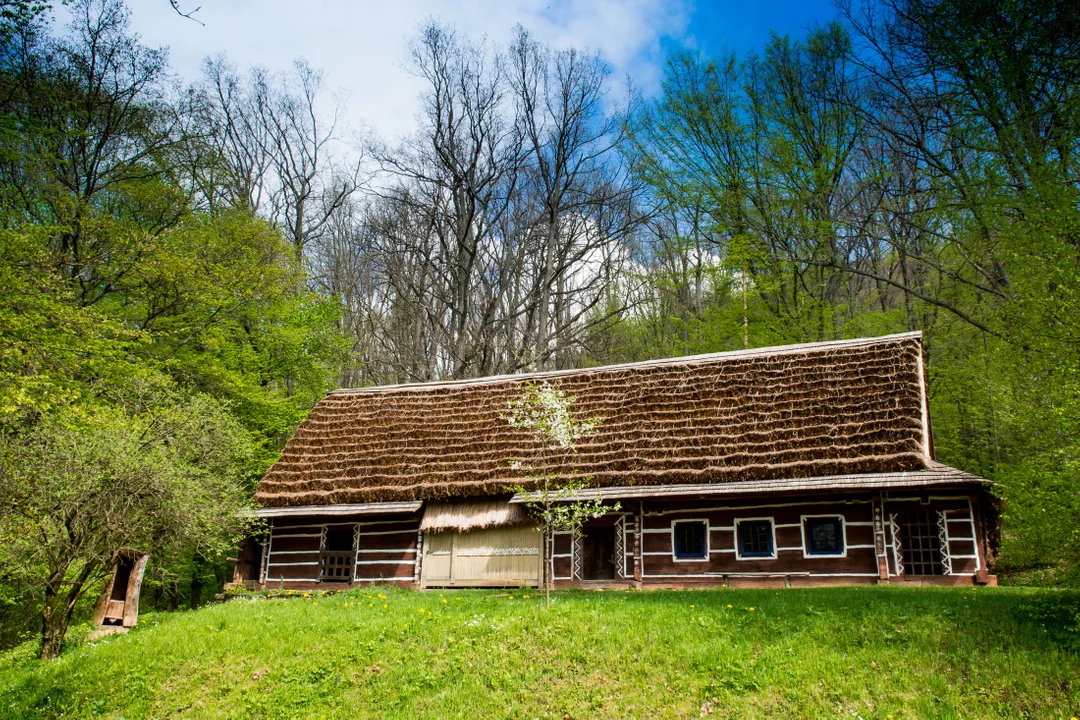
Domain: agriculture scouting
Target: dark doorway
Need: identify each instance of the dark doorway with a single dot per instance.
(122, 578)
(598, 553)
(920, 543)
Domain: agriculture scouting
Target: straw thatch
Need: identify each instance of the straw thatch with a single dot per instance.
(465, 515)
(801, 411)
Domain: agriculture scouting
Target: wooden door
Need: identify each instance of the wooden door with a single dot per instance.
(495, 557)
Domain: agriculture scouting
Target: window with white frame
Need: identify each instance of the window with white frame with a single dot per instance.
(690, 539)
(823, 535)
(755, 539)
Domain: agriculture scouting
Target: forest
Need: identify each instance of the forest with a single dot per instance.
(187, 265)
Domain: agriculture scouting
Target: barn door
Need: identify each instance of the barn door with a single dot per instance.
(494, 557)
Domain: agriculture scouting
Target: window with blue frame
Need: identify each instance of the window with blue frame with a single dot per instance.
(755, 538)
(690, 539)
(824, 536)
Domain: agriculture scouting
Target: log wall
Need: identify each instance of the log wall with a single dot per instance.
(873, 551)
(385, 548)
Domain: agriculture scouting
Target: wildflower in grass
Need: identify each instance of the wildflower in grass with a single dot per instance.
(444, 601)
(525, 597)
(511, 597)
(750, 609)
(729, 607)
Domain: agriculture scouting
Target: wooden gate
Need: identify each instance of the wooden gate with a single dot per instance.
(495, 557)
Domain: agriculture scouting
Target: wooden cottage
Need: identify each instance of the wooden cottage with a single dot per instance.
(799, 465)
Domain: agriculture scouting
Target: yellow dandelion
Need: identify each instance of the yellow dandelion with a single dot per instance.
(444, 601)
(691, 607)
(385, 605)
(458, 599)
(525, 596)
(750, 609)
(406, 626)
(729, 607)
(306, 595)
(511, 597)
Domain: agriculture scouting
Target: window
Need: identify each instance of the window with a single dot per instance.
(691, 539)
(823, 535)
(338, 555)
(920, 544)
(754, 538)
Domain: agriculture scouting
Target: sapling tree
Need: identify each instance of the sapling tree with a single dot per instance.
(551, 497)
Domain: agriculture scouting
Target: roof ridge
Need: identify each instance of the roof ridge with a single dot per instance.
(767, 351)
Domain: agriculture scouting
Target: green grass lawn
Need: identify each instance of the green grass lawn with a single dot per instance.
(874, 652)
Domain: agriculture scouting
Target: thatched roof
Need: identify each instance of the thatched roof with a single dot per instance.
(800, 411)
(465, 515)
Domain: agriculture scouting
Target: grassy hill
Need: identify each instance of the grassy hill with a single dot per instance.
(875, 652)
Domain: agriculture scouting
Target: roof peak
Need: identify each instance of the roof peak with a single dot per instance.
(680, 360)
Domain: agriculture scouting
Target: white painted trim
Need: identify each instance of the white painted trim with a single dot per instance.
(859, 524)
(965, 557)
(765, 574)
(410, 531)
(703, 558)
(342, 509)
(728, 528)
(393, 578)
(974, 535)
(843, 536)
(318, 535)
(391, 550)
(758, 507)
(853, 547)
(738, 550)
(386, 562)
(892, 535)
(274, 564)
(788, 525)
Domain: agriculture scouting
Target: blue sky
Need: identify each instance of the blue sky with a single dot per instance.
(744, 26)
(360, 44)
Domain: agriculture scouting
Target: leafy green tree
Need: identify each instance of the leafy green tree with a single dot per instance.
(80, 489)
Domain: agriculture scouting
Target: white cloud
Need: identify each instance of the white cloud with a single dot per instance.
(361, 46)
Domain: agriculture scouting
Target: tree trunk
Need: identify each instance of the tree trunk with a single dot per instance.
(547, 567)
(54, 624)
(57, 609)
